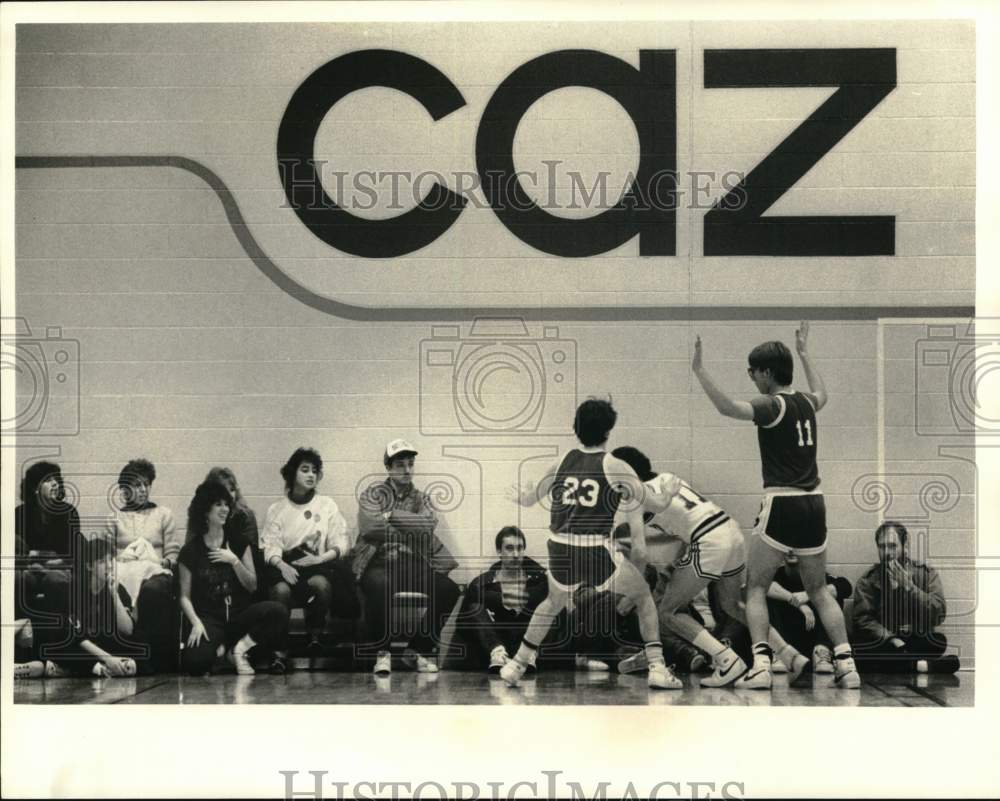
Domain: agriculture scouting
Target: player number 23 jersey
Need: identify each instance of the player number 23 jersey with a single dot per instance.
(583, 500)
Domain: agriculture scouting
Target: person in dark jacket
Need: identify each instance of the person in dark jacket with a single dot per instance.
(898, 606)
(47, 542)
(498, 603)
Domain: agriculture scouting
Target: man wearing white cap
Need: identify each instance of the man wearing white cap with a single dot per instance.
(398, 551)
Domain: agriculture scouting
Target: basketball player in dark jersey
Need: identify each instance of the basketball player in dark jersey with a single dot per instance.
(792, 518)
(586, 488)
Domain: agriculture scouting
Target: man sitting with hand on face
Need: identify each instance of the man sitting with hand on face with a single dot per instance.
(898, 605)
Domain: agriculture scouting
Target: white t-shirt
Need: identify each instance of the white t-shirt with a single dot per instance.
(317, 526)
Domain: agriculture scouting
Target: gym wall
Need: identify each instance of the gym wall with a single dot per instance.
(189, 349)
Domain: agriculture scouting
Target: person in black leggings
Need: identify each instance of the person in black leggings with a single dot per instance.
(217, 579)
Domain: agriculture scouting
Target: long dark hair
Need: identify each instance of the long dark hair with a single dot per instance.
(33, 478)
(205, 496)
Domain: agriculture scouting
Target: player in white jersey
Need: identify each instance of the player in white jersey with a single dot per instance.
(715, 553)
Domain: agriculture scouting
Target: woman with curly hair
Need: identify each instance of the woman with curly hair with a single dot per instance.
(217, 579)
(304, 540)
(129, 528)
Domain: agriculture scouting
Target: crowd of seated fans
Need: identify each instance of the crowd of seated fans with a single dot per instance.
(136, 597)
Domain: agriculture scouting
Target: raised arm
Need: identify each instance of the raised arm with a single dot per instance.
(530, 492)
(815, 381)
(738, 410)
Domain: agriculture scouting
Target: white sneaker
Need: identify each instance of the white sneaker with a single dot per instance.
(29, 670)
(241, 660)
(418, 662)
(661, 677)
(513, 672)
(498, 658)
(634, 664)
(238, 659)
(756, 678)
(593, 665)
(822, 659)
(53, 671)
(101, 670)
(724, 676)
(846, 674)
(383, 664)
(777, 666)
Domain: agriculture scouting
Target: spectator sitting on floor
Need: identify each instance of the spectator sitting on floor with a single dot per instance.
(218, 579)
(242, 520)
(96, 636)
(498, 603)
(47, 540)
(141, 519)
(305, 545)
(399, 551)
(898, 607)
(795, 618)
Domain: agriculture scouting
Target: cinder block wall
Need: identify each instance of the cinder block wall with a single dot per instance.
(190, 356)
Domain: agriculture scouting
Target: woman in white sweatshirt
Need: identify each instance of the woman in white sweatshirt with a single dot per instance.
(140, 518)
(304, 540)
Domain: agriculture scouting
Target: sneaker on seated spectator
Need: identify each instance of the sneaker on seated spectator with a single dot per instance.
(239, 660)
(418, 662)
(822, 659)
(583, 662)
(383, 664)
(53, 671)
(498, 658)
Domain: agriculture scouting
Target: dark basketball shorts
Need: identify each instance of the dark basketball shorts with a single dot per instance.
(572, 566)
(793, 523)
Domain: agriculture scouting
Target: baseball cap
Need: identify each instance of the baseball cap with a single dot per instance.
(398, 446)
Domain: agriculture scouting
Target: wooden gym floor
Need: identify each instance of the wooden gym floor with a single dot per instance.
(556, 687)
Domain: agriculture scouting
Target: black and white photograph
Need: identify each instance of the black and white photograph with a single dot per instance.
(371, 369)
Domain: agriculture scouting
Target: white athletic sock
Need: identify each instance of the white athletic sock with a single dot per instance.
(843, 648)
(245, 644)
(527, 653)
(707, 643)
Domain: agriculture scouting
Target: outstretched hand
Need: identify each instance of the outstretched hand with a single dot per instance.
(802, 337)
(696, 361)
